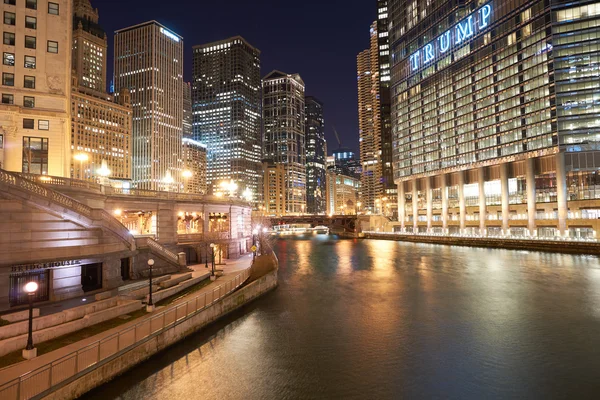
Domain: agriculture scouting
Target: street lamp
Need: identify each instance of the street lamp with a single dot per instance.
(150, 305)
(212, 252)
(104, 172)
(168, 180)
(81, 157)
(30, 352)
(254, 234)
(186, 174)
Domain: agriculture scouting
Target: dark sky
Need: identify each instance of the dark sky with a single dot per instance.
(319, 39)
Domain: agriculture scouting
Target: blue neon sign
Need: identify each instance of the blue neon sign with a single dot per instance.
(457, 35)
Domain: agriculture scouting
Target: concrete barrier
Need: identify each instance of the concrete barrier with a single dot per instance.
(79, 312)
(20, 315)
(21, 327)
(163, 294)
(175, 281)
(124, 307)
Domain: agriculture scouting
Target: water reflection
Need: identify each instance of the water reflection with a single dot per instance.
(382, 319)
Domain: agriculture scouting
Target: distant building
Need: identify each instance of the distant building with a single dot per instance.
(226, 107)
(284, 141)
(273, 186)
(149, 62)
(90, 47)
(35, 132)
(194, 159)
(187, 110)
(315, 156)
(346, 163)
(342, 193)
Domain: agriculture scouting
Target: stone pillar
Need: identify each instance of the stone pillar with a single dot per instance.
(530, 182)
(461, 201)
(561, 194)
(167, 223)
(482, 208)
(415, 205)
(504, 197)
(429, 194)
(111, 274)
(401, 206)
(444, 204)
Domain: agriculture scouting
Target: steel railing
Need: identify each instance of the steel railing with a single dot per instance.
(84, 360)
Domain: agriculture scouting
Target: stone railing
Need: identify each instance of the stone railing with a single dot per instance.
(60, 181)
(162, 251)
(113, 225)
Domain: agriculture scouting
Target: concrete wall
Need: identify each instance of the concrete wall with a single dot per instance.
(111, 367)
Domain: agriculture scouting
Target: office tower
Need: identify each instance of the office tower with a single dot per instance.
(342, 193)
(495, 120)
(36, 85)
(226, 107)
(100, 123)
(273, 187)
(149, 62)
(187, 110)
(194, 159)
(315, 156)
(369, 122)
(283, 121)
(89, 49)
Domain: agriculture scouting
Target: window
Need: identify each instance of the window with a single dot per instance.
(35, 155)
(30, 42)
(32, 4)
(7, 98)
(11, 2)
(53, 8)
(8, 79)
(28, 101)
(8, 59)
(30, 62)
(9, 38)
(29, 82)
(28, 123)
(52, 46)
(30, 22)
(9, 18)
(43, 125)
(1, 141)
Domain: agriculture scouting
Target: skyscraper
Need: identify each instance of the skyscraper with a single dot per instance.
(495, 117)
(149, 62)
(36, 84)
(187, 110)
(226, 108)
(283, 119)
(89, 47)
(315, 156)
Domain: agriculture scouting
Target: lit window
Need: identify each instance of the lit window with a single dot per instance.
(8, 59)
(52, 46)
(53, 8)
(30, 62)
(43, 125)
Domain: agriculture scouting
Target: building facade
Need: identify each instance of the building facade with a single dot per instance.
(342, 194)
(284, 130)
(36, 84)
(149, 63)
(495, 117)
(226, 108)
(90, 47)
(194, 159)
(273, 187)
(187, 110)
(316, 151)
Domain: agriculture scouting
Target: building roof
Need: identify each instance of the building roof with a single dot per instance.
(153, 22)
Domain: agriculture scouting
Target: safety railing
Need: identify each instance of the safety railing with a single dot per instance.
(477, 236)
(161, 250)
(86, 359)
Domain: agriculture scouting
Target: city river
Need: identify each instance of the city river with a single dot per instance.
(389, 320)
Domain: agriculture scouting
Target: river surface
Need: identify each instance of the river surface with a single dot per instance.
(388, 320)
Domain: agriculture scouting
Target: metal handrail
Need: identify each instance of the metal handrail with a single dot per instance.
(85, 359)
(162, 250)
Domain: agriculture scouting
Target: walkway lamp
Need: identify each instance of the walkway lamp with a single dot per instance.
(30, 351)
(150, 305)
(254, 234)
(81, 157)
(206, 255)
(212, 252)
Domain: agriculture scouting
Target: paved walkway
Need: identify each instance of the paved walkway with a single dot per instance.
(230, 271)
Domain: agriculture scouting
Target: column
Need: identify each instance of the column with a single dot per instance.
(415, 205)
(504, 197)
(482, 209)
(461, 201)
(444, 204)
(530, 182)
(561, 194)
(401, 206)
(429, 194)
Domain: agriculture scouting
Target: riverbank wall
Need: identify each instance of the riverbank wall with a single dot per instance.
(111, 367)
(554, 246)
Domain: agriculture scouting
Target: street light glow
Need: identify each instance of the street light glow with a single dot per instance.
(31, 287)
(81, 157)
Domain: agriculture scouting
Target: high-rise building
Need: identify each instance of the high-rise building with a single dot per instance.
(187, 110)
(89, 47)
(273, 187)
(369, 122)
(36, 85)
(342, 193)
(100, 124)
(495, 117)
(194, 174)
(346, 163)
(149, 62)
(315, 156)
(283, 121)
(226, 108)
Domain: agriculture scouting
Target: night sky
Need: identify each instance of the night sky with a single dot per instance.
(319, 39)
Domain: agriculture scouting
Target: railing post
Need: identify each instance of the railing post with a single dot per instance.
(99, 344)
(50, 377)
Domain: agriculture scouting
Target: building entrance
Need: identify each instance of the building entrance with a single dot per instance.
(91, 277)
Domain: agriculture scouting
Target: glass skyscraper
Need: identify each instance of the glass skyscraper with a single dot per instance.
(315, 156)
(495, 108)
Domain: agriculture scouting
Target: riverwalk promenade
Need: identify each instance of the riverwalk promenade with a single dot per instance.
(42, 375)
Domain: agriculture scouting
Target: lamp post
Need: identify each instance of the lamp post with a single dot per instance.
(30, 352)
(212, 253)
(104, 173)
(254, 234)
(150, 305)
(206, 255)
(81, 157)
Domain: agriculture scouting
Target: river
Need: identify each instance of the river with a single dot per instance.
(387, 320)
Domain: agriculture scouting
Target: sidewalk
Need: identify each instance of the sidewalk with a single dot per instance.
(230, 271)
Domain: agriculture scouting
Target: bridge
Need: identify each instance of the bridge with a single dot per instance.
(335, 223)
